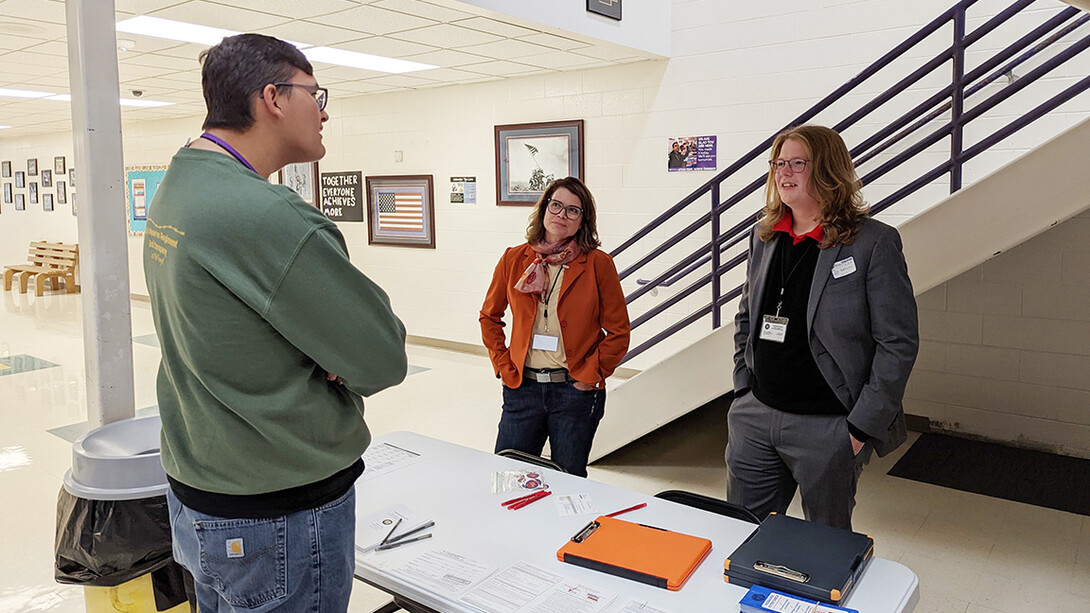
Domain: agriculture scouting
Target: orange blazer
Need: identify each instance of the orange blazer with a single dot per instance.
(591, 309)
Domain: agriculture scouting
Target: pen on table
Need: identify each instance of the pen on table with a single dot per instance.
(389, 534)
(423, 526)
(520, 498)
(519, 505)
(631, 508)
(394, 544)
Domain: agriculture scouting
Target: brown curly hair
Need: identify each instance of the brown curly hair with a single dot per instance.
(833, 182)
(587, 234)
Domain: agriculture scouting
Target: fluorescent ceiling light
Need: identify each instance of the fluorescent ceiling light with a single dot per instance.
(366, 61)
(22, 93)
(144, 103)
(173, 30)
(61, 97)
(4, 127)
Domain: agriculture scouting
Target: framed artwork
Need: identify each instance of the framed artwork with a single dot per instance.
(609, 8)
(401, 211)
(20, 179)
(7, 193)
(72, 178)
(58, 165)
(47, 178)
(5, 169)
(33, 192)
(20, 202)
(62, 193)
(32, 167)
(47, 202)
(302, 179)
(529, 156)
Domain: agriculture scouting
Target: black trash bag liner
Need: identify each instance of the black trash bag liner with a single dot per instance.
(105, 543)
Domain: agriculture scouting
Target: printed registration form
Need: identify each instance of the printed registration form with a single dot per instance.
(525, 588)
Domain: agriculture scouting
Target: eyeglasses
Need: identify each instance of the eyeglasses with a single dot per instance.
(796, 165)
(570, 212)
(321, 94)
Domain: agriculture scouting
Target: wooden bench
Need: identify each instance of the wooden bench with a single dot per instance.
(46, 262)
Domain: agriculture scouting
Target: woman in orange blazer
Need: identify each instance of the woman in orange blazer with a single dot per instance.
(569, 329)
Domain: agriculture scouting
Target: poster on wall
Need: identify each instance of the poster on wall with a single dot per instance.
(342, 195)
(691, 153)
(529, 156)
(301, 178)
(141, 182)
(401, 211)
(463, 190)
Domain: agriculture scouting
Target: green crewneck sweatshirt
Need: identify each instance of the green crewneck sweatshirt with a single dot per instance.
(254, 300)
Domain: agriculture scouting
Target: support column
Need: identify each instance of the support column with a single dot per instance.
(104, 262)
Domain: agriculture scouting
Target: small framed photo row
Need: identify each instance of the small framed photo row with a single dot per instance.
(58, 165)
(47, 178)
(47, 202)
(20, 202)
(20, 179)
(32, 167)
(62, 193)
(72, 178)
(5, 169)
(7, 193)
(33, 192)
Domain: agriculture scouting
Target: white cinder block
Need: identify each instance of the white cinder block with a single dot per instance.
(951, 327)
(1045, 335)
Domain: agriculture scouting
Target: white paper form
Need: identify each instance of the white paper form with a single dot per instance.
(384, 458)
(444, 572)
(525, 588)
(642, 606)
(580, 504)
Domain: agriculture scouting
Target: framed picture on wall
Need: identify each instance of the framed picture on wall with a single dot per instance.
(7, 193)
(609, 8)
(32, 167)
(47, 202)
(47, 178)
(20, 202)
(62, 193)
(401, 211)
(72, 178)
(58, 165)
(302, 179)
(529, 156)
(33, 192)
(5, 169)
(20, 179)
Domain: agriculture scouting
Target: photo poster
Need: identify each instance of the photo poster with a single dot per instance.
(463, 190)
(141, 183)
(536, 160)
(690, 153)
(342, 195)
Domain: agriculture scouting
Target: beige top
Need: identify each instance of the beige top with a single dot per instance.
(538, 358)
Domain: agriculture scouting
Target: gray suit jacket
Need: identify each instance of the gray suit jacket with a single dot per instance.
(862, 327)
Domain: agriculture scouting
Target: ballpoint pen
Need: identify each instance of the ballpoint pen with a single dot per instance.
(535, 498)
(389, 534)
(631, 508)
(521, 498)
(423, 526)
(392, 545)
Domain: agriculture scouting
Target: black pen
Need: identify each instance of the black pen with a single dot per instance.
(423, 526)
(392, 545)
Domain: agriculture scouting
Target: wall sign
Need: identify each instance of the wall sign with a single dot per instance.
(342, 195)
(463, 190)
(609, 8)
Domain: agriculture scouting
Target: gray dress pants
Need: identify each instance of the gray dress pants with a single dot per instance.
(771, 453)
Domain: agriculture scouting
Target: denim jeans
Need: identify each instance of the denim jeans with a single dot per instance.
(299, 562)
(567, 417)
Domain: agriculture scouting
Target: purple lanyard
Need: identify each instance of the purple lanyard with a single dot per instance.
(222, 143)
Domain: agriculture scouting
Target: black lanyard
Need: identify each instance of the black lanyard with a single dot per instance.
(552, 288)
(786, 276)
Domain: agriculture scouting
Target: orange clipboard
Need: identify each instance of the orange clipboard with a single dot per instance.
(634, 551)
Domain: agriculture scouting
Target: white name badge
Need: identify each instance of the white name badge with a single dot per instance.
(545, 342)
(843, 267)
(774, 329)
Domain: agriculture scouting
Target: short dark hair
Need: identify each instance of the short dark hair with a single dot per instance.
(587, 234)
(238, 68)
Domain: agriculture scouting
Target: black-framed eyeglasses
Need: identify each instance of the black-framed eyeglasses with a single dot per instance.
(570, 212)
(321, 94)
(796, 165)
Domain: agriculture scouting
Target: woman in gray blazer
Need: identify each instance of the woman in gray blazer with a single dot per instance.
(825, 337)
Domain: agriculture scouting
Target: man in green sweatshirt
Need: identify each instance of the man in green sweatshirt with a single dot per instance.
(270, 336)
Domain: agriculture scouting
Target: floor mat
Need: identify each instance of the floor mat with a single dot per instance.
(1033, 477)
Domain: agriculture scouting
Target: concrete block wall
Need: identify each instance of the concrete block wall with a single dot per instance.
(1005, 347)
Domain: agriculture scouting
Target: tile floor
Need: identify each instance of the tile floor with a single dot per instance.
(973, 554)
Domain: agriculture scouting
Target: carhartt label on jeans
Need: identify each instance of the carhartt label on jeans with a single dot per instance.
(235, 549)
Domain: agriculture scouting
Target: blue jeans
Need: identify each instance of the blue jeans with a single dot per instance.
(299, 562)
(567, 417)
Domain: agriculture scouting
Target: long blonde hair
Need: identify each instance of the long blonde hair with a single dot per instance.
(833, 182)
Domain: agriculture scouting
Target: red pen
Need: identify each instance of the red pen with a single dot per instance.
(631, 508)
(520, 498)
(535, 498)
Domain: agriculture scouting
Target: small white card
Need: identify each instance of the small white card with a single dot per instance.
(544, 342)
(843, 267)
(580, 504)
(774, 329)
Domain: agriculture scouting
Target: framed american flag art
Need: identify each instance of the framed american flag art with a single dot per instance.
(401, 211)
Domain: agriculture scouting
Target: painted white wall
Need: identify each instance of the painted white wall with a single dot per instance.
(1005, 347)
(644, 25)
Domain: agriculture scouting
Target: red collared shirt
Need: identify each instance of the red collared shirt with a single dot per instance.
(785, 224)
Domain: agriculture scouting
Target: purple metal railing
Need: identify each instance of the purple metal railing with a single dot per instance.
(951, 99)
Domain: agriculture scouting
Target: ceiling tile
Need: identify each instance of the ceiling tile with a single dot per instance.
(494, 26)
(447, 36)
(559, 60)
(389, 47)
(608, 52)
(311, 33)
(554, 41)
(219, 16)
(501, 68)
(373, 20)
(143, 7)
(11, 42)
(50, 11)
(53, 47)
(294, 8)
(156, 60)
(416, 7)
(447, 58)
(508, 49)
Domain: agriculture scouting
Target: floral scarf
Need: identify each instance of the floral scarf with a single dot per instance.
(536, 278)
